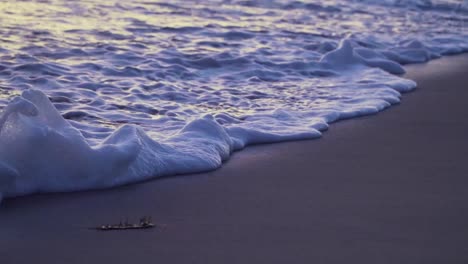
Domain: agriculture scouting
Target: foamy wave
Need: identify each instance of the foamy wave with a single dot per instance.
(42, 152)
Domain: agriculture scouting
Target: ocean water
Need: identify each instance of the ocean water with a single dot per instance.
(99, 93)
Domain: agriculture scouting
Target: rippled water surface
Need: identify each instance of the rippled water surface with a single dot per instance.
(265, 70)
(105, 63)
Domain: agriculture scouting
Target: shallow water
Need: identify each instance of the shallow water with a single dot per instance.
(149, 88)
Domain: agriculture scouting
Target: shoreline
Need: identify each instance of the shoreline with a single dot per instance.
(383, 189)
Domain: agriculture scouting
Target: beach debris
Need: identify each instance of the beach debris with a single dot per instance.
(144, 223)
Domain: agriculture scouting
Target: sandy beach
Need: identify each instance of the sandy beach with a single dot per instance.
(387, 188)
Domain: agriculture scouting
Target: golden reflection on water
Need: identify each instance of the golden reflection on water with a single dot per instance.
(60, 17)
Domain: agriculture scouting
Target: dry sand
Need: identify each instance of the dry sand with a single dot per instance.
(390, 188)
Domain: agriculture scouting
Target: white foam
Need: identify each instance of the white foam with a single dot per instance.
(42, 152)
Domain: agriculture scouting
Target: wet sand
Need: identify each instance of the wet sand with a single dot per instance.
(388, 188)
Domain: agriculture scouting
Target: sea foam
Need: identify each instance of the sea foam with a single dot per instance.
(140, 98)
